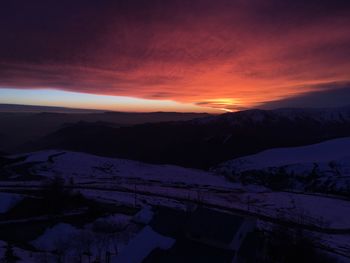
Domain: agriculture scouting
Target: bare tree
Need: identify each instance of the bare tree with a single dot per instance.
(10, 256)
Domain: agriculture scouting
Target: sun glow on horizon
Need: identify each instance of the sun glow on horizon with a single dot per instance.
(223, 104)
(52, 97)
(212, 56)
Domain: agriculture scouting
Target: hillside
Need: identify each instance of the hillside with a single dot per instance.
(118, 188)
(84, 167)
(33, 123)
(202, 142)
(322, 167)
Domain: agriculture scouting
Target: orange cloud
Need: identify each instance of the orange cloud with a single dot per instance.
(223, 54)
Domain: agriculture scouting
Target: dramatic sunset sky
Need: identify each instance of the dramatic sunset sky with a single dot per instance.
(175, 55)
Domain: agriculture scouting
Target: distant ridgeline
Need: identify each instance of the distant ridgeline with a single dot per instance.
(202, 142)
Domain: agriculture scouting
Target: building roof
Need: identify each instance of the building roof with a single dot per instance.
(188, 229)
(188, 251)
(169, 221)
(249, 248)
(143, 244)
(213, 225)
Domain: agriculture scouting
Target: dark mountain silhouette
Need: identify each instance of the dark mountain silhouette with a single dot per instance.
(203, 142)
(18, 128)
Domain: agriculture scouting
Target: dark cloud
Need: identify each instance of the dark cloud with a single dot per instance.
(327, 95)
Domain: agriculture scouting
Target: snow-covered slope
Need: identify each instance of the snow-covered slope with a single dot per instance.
(322, 152)
(327, 115)
(86, 166)
(55, 237)
(324, 166)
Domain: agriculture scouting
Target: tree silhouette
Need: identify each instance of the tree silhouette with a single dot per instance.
(9, 256)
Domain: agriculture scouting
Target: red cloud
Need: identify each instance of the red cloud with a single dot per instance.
(227, 54)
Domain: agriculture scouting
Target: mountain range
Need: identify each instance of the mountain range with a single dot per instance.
(201, 142)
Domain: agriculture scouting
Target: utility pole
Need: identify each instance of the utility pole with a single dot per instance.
(135, 196)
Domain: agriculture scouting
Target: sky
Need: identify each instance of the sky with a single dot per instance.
(179, 55)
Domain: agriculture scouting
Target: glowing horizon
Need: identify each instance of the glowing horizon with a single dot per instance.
(74, 100)
(202, 55)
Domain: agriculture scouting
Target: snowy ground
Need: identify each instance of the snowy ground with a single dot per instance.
(85, 166)
(68, 243)
(290, 206)
(322, 167)
(7, 201)
(144, 243)
(337, 149)
(24, 256)
(134, 183)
